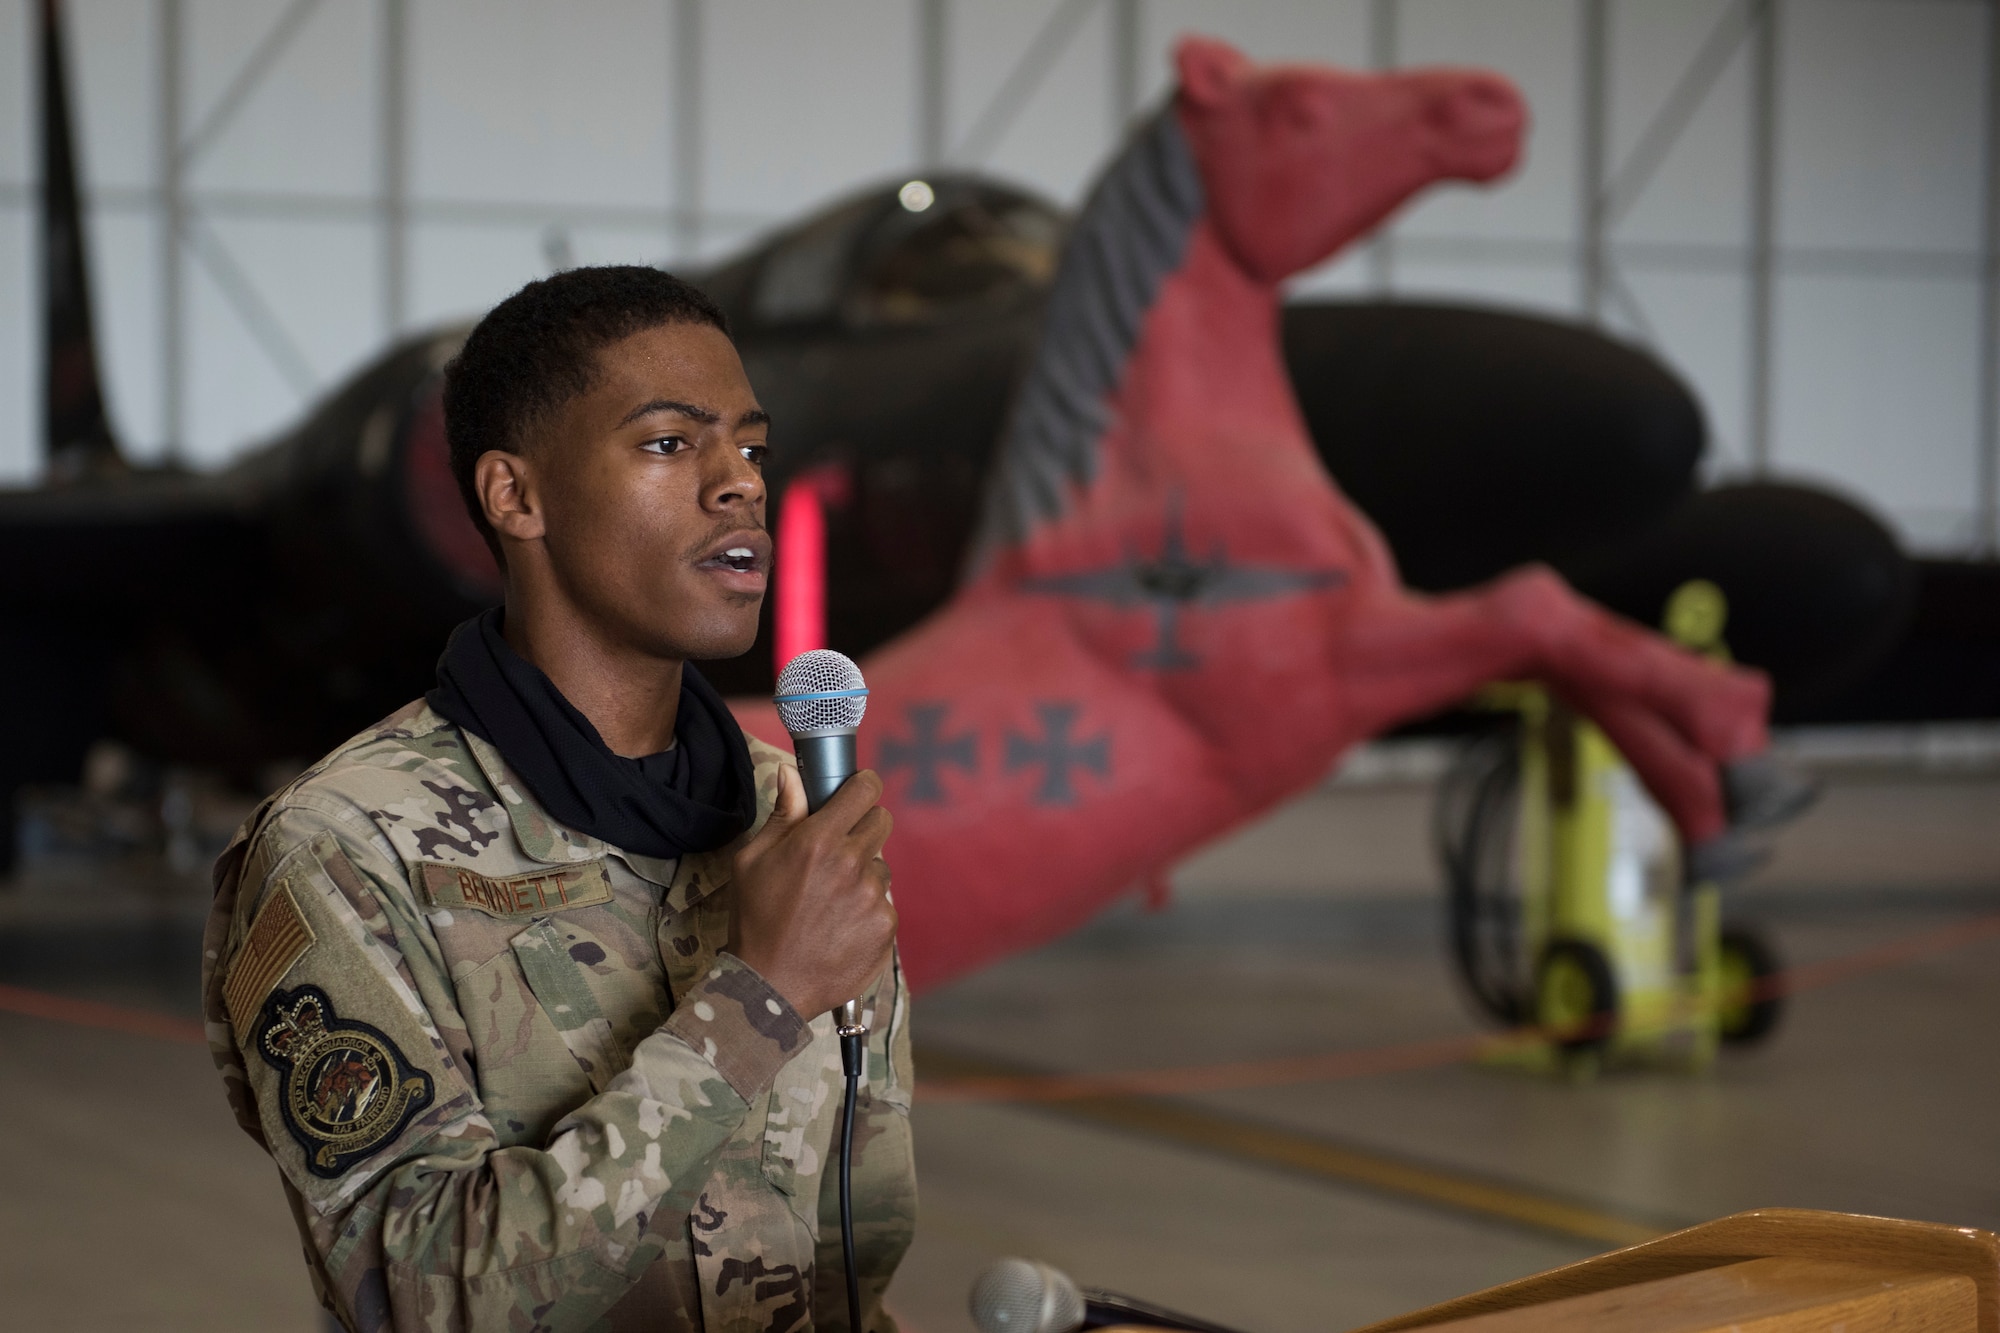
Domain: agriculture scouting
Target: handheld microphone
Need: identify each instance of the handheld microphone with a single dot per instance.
(1027, 1296)
(820, 700)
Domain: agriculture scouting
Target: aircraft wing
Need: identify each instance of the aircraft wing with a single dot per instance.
(100, 550)
(1118, 585)
(1241, 583)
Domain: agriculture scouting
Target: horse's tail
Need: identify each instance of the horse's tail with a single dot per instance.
(1132, 234)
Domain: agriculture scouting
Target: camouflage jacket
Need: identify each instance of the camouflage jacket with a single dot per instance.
(511, 1079)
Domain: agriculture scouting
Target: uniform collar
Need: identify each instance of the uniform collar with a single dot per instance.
(687, 879)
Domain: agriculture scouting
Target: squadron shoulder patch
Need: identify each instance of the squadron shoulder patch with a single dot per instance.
(518, 895)
(348, 1090)
(278, 938)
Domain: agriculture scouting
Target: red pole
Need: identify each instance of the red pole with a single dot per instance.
(799, 619)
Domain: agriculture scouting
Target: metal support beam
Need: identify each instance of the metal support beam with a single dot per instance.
(1384, 53)
(172, 228)
(1988, 467)
(1593, 135)
(143, 201)
(1693, 88)
(687, 58)
(1018, 88)
(257, 316)
(1620, 296)
(1384, 34)
(248, 75)
(1763, 230)
(933, 50)
(394, 126)
(1126, 23)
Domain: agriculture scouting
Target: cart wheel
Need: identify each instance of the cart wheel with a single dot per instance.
(1576, 992)
(1744, 1017)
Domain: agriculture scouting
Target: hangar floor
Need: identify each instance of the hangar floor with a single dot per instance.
(131, 1202)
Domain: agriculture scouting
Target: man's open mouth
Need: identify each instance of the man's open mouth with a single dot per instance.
(746, 555)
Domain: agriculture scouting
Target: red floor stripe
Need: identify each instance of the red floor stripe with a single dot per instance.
(1401, 1057)
(1357, 1063)
(90, 1014)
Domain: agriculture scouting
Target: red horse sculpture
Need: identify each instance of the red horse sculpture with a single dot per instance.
(1173, 619)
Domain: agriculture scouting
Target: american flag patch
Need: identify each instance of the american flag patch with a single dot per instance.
(278, 938)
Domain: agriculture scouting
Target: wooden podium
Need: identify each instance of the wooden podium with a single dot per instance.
(1775, 1270)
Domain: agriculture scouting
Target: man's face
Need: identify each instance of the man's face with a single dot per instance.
(651, 491)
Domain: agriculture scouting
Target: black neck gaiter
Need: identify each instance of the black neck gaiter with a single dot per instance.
(693, 798)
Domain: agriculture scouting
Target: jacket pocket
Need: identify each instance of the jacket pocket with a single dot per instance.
(527, 1077)
(561, 987)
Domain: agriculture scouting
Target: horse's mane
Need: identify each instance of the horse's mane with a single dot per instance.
(1133, 232)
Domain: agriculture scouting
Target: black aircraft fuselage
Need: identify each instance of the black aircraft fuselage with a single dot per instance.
(265, 612)
(261, 614)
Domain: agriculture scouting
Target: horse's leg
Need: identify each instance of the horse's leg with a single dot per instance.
(1587, 651)
(1674, 716)
(1684, 780)
(1530, 623)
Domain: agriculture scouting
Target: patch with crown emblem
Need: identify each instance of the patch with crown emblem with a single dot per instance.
(348, 1090)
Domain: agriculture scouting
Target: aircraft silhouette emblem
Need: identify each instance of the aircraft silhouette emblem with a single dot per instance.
(1175, 580)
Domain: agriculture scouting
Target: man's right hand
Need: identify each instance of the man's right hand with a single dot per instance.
(813, 915)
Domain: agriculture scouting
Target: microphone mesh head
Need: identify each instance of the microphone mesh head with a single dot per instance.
(803, 687)
(1025, 1296)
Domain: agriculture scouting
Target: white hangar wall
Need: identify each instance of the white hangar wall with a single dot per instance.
(1789, 200)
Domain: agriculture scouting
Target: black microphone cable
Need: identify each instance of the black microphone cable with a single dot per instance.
(853, 1060)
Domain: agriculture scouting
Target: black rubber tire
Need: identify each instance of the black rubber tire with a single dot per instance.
(1566, 962)
(1751, 952)
(1472, 830)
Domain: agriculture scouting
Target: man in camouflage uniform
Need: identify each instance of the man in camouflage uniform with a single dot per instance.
(514, 1076)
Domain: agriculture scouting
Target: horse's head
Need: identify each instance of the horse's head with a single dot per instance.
(1298, 160)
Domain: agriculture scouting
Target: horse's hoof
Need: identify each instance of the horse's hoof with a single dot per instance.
(1762, 792)
(1723, 859)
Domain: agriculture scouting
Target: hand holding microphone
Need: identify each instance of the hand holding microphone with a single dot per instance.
(813, 915)
(837, 912)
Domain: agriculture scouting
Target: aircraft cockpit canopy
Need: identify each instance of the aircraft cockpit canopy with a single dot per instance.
(923, 253)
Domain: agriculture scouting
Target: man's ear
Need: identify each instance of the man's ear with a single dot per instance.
(1209, 70)
(505, 485)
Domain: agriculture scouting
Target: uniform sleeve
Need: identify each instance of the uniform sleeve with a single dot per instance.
(885, 1185)
(346, 1025)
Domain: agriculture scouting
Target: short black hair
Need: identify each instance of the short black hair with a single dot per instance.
(537, 350)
